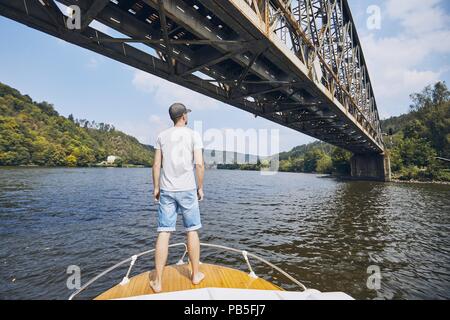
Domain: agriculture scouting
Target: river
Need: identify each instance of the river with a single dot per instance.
(329, 234)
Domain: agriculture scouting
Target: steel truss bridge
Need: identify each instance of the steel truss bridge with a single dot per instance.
(298, 63)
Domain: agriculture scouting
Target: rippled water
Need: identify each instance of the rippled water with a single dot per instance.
(324, 232)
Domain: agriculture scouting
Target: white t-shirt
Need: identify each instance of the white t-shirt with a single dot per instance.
(177, 146)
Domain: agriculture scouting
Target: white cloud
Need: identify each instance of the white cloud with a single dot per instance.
(158, 124)
(403, 63)
(165, 93)
(418, 79)
(146, 130)
(418, 16)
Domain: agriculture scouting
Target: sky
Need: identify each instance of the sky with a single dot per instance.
(408, 49)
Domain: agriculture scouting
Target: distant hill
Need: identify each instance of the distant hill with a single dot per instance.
(319, 157)
(33, 133)
(418, 143)
(227, 157)
(395, 124)
(300, 151)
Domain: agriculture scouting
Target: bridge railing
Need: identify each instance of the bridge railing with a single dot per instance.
(322, 35)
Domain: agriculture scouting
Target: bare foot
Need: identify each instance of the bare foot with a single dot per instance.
(155, 286)
(197, 278)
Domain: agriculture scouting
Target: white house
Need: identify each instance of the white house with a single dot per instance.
(111, 159)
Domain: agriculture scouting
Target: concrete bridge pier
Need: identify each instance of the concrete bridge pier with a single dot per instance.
(372, 166)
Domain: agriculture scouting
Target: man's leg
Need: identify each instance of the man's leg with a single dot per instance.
(161, 252)
(194, 256)
(167, 219)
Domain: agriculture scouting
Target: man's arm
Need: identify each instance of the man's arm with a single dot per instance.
(199, 171)
(156, 170)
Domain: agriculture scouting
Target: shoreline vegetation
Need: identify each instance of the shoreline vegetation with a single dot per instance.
(33, 134)
(414, 141)
(421, 182)
(131, 166)
(320, 175)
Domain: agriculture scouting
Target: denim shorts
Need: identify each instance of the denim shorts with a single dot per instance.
(180, 202)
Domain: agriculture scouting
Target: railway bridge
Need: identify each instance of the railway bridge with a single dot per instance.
(298, 63)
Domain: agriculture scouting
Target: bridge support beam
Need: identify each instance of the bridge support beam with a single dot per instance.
(371, 167)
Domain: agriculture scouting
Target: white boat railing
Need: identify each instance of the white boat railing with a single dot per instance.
(134, 258)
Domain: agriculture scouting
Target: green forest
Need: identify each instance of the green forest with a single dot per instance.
(33, 133)
(316, 157)
(414, 140)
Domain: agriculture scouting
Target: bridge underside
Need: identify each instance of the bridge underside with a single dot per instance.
(265, 57)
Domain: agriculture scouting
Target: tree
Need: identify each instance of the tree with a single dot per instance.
(414, 130)
(416, 152)
(56, 156)
(34, 133)
(341, 161)
(421, 135)
(430, 96)
(325, 164)
(297, 164)
(71, 161)
(437, 124)
(84, 156)
(47, 108)
(40, 151)
(118, 162)
(311, 159)
(285, 166)
(440, 94)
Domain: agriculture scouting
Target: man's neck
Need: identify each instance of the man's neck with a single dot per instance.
(180, 125)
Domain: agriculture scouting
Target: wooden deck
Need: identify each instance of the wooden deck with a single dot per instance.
(176, 278)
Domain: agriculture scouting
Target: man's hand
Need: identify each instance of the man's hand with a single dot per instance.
(156, 194)
(156, 172)
(200, 194)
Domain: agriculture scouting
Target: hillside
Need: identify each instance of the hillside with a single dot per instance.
(421, 135)
(415, 140)
(33, 133)
(319, 157)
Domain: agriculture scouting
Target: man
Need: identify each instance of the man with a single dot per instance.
(177, 150)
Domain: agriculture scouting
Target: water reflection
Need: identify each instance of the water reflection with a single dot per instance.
(324, 232)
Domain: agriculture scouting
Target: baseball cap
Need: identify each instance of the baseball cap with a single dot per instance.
(176, 110)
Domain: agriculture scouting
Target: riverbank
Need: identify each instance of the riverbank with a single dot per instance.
(420, 182)
(33, 166)
(319, 175)
(348, 178)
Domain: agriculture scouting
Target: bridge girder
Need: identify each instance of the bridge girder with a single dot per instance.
(266, 57)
